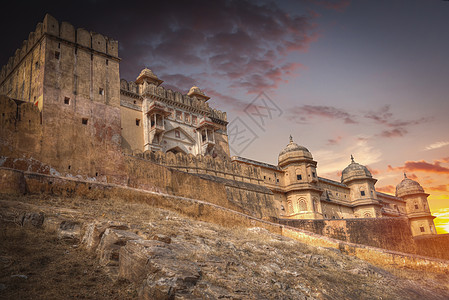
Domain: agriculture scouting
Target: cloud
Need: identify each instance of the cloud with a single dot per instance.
(439, 188)
(179, 82)
(422, 166)
(304, 114)
(235, 103)
(442, 213)
(335, 141)
(373, 171)
(243, 44)
(332, 162)
(394, 127)
(436, 145)
(398, 132)
(390, 189)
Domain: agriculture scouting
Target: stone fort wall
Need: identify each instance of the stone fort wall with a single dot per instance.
(392, 233)
(199, 164)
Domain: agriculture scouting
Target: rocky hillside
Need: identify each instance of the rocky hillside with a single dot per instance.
(59, 248)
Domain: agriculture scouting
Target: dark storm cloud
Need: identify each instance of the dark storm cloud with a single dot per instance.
(303, 114)
(242, 42)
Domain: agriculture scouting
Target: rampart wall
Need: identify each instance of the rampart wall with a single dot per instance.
(386, 233)
(199, 164)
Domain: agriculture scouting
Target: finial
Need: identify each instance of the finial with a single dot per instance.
(291, 139)
(352, 158)
(405, 175)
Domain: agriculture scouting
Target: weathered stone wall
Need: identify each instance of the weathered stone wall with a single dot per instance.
(200, 164)
(433, 245)
(56, 141)
(240, 196)
(387, 233)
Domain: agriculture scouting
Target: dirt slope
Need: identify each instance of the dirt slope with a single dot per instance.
(233, 263)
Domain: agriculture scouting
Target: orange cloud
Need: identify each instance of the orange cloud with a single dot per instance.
(373, 171)
(390, 189)
(439, 188)
(423, 166)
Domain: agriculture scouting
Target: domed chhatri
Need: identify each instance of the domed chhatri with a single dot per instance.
(408, 187)
(293, 152)
(195, 91)
(149, 76)
(355, 171)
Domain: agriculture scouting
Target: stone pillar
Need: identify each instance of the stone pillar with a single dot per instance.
(146, 125)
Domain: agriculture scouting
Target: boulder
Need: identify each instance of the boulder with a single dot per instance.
(32, 219)
(162, 238)
(110, 244)
(69, 229)
(94, 232)
(169, 279)
(136, 255)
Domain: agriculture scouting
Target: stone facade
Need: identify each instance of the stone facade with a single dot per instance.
(299, 193)
(158, 119)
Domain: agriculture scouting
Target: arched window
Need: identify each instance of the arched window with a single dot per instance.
(302, 205)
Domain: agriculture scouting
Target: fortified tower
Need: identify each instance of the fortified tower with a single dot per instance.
(418, 212)
(301, 182)
(72, 76)
(362, 192)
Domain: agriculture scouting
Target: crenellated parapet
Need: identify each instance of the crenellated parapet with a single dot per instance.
(65, 32)
(225, 168)
(171, 97)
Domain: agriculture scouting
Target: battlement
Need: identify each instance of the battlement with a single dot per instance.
(224, 168)
(65, 32)
(171, 97)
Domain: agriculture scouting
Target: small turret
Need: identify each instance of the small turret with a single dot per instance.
(148, 76)
(196, 92)
(300, 182)
(363, 194)
(417, 207)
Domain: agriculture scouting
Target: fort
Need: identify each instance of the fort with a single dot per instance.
(67, 117)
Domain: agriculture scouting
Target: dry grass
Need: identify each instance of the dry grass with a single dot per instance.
(51, 268)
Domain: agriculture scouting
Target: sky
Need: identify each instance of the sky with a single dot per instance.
(367, 78)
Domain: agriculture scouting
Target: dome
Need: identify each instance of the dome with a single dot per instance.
(355, 171)
(195, 91)
(292, 152)
(408, 187)
(149, 75)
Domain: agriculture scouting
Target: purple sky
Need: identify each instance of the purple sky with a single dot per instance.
(368, 78)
